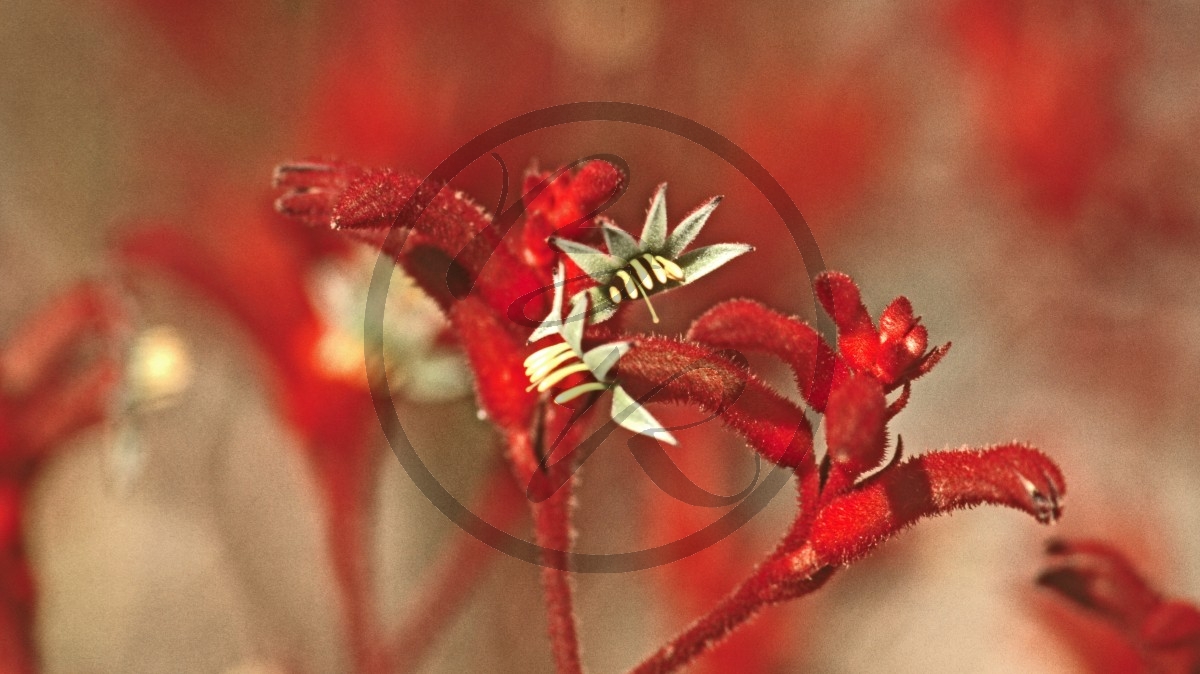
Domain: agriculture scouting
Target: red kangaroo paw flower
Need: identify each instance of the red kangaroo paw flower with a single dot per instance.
(563, 206)
(1100, 579)
(746, 325)
(368, 202)
(854, 426)
(838, 520)
(313, 189)
(858, 342)
(902, 341)
(932, 484)
(894, 354)
(496, 356)
(688, 372)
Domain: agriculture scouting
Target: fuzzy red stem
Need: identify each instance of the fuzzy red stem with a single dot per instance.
(776, 580)
(932, 484)
(692, 373)
(552, 532)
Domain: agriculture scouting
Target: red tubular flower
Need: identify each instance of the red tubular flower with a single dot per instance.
(895, 353)
(1099, 579)
(564, 206)
(367, 203)
(932, 484)
(681, 371)
(749, 326)
(840, 520)
(43, 402)
(854, 426)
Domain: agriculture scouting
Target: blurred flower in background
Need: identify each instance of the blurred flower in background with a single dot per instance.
(1026, 173)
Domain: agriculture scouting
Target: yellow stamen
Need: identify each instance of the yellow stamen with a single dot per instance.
(573, 393)
(546, 368)
(659, 272)
(673, 270)
(544, 354)
(643, 275)
(653, 313)
(560, 375)
(630, 286)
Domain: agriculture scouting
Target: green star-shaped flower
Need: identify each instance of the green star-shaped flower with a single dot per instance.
(632, 269)
(549, 366)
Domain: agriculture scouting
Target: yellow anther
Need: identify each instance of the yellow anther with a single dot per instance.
(643, 275)
(659, 272)
(673, 270)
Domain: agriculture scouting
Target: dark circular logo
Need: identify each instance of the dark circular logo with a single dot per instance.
(748, 503)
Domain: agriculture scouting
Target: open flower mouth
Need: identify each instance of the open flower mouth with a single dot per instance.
(633, 269)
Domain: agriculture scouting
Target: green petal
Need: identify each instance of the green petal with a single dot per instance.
(620, 242)
(572, 327)
(687, 230)
(553, 321)
(654, 232)
(629, 414)
(595, 263)
(703, 261)
(602, 307)
(602, 358)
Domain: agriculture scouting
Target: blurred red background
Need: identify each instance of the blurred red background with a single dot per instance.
(1025, 172)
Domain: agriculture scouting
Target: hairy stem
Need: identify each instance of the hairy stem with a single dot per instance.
(783, 576)
(552, 532)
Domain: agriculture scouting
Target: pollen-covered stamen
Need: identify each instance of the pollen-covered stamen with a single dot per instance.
(631, 288)
(542, 369)
(653, 313)
(541, 356)
(646, 270)
(576, 391)
(549, 366)
(655, 263)
(656, 268)
(674, 271)
(560, 374)
(642, 275)
(546, 367)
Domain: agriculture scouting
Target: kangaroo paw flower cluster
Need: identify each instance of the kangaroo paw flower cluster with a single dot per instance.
(851, 500)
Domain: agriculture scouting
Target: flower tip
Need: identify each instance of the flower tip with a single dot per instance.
(1045, 500)
(1069, 583)
(1057, 546)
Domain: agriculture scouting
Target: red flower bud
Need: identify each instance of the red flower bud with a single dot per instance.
(854, 425)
